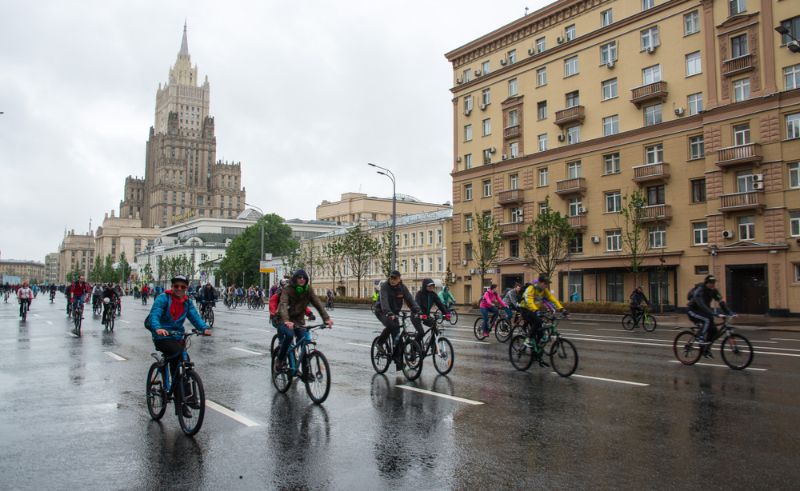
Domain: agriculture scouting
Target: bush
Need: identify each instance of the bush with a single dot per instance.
(347, 300)
(614, 308)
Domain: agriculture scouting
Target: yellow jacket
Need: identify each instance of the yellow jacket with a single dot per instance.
(534, 297)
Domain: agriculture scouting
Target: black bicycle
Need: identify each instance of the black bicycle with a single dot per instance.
(161, 386)
(207, 313)
(77, 316)
(736, 350)
(643, 318)
(306, 363)
(524, 349)
(97, 305)
(403, 348)
(435, 344)
(109, 314)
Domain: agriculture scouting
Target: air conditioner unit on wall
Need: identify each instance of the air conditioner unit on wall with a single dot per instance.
(467, 112)
(583, 211)
(595, 239)
(531, 51)
(679, 111)
(477, 73)
(727, 234)
(651, 49)
(472, 271)
(758, 186)
(484, 106)
(758, 177)
(464, 262)
(561, 138)
(611, 63)
(503, 62)
(560, 40)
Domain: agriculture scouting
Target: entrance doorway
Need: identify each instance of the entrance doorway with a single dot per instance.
(509, 280)
(748, 292)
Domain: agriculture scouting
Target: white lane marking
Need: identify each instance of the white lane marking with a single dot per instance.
(786, 339)
(585, 324)
(637, 384)
(722, 366)
(362, 345)
(126, 322)
(467, 341)
(666, 346)
(247, 351)
(443, 396)
(115, 356)
(231, 414)
(73, 335)
(49, 323)
(262, 329)
(776, 354)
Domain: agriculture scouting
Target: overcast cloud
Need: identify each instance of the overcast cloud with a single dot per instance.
(304, 94)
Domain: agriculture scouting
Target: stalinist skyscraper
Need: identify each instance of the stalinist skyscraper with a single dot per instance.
(182, 177)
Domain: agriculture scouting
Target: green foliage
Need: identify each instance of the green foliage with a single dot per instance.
(244, 253)
(147, 273)
(489, 239)
(96, 273)
(384, 253)
(633, 237)
(123, 269)
(332, 258)
(546, 240)
(359, 249)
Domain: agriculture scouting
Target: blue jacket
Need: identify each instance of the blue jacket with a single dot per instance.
(160, 317)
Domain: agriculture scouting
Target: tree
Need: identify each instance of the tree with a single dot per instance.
(147, 273)
(489, 240)
(332, 258)
(96, 273)
(385, 252)
(633, 239)
(123, 268)
(546, 241)
(359, 249)
(108, 270)
(243, 255)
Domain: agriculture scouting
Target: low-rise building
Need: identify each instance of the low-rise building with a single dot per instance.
(30, 271)
(75, 255)
(51, 268)
(358, 207)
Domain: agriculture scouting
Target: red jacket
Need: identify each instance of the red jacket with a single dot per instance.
(79, 289)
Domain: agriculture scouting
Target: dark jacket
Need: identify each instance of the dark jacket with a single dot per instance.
(426, 299)
(207, 294)
(637, 297)
(393, 297)
(702, 299)
(293, 303)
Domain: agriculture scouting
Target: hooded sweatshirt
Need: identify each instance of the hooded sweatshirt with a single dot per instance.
(295, 299)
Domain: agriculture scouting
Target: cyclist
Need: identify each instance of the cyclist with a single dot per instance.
(511, 299)
(489, 303)
(77, 291)
(700, 299)
(167, 316)
(636, 299)
(537, 296)
(329, 299)
(25, 296)
(53, 290)
(393, 295)
(427, 298)
(97, 293)
(207, 297)
(110, 294)
(446, 297)
(292, 308)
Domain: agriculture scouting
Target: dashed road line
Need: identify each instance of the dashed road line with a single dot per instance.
(360, 344)
(49, 323)
(455, 340)
(231, 414)
(248, 351)
(626, 382)
(126, 322)
(785, 339)
(443, 396)
(115, 356)
(722, 366)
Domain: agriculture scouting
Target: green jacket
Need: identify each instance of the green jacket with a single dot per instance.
(446, 297)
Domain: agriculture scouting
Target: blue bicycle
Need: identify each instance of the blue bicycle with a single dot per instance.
(161, 386)
(306, 363)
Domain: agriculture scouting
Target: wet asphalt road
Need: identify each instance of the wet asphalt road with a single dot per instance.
(73, 413)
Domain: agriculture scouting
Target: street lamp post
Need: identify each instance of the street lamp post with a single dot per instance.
(386, 172)
(261, 257)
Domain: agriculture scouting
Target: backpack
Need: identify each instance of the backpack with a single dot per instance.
(690, 295)
(147, 324)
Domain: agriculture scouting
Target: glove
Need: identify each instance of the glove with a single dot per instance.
(423, 317)
(447, 317)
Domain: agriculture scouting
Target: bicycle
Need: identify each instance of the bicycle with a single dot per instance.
(408, 349)
(736, 350)
(207, 313)
(52, 297)
(77, 316)
(647, 321)
(561, 352)
(108, 318)
(305, 362)
(118, 304)
(160, 389)
(498, 322)
(24, 306)
(97, 305)
(435, 344)
(144, 299)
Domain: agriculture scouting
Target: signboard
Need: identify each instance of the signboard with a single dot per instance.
(264, 268)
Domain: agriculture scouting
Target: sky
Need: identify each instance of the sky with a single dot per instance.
(304, 94)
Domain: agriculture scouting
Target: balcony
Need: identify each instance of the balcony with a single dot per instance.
(578, 222)
(749, 200)
(512, 229)
(574, 114)
(651, 173)
(575, 185)
(656, 213)
(512, 132)
(735, 66)
(510, 197)
(648, 93)
(740, 154)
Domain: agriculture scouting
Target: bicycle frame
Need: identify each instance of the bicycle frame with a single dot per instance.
(296, 360)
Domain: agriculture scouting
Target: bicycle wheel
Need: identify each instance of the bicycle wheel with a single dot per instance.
(444, 356)
(686, 348)
(412, 359)
(76, 317)
(477, 329)
(502, 330)
(649, 323)
(274, 345)
(380, 357)
(453, 317)
(193, 397)
(282, 379)
(317, 377)
(24, 312)
(111, 322)
(156, 395)
(521, 356)
(628, 323)
(563, 357)
(737, 352)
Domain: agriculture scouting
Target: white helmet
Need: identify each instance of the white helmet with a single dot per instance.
(106, 300)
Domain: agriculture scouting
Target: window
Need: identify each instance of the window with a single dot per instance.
(468, 192)
(794, 223)
(744, 181)
(487, 156)
(571, 66)
(654, 154)
(574, 169)
(543, 176)
(569, 32)
(698, 190)
(736, 6)
(467, 104)
(697, 147)
(700, 233)
(405, 240)
(542, 142)
(741, 89)
(576, 244)
(487, 126)
(693, 66)
(513, 150)
(574, 206)
(513, 181)
(573, 99)
(486, 97)
(613, 240)
(485, 68)
(651, 75)
(513, 248)
(691, 23)
(613, 202)
(797, 273)
(747, 228)
(467, 75)
(512, 87)
(430, 237)
(611, 164)
(541, 110)
(741, 134)
(413, 240)
(794, 175)
(648, 4)
(652, 115)
(468, 161)
(468, 223)
(487, 188)
(606, 17)
(656, 195)
(615, 286)
(739, 46)
(657, 237)
(513, 118)
(791, 77)
(541, 76)
(608, 52)
(793, 26)
(540, 45)
(609, 89)
(439, 236)
(543, 207)
(512, 56)
(467, 132)
(573, 135)
(793, 126)
(516, 215)
(610, 125)
(468, 252)
(695, 103)
(650, 38)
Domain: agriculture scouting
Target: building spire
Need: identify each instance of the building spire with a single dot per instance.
(184, 43)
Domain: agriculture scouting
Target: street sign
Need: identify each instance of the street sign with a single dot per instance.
(268, 256)
(264, 268)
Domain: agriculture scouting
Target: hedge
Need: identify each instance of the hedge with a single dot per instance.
(615, 308)
(347, 300)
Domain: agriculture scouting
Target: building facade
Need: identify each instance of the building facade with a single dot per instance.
(182, 177)
(75, 254)
(30, 271)
(51, 268)
(120, 235)
(358, 207)
(693, 103)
